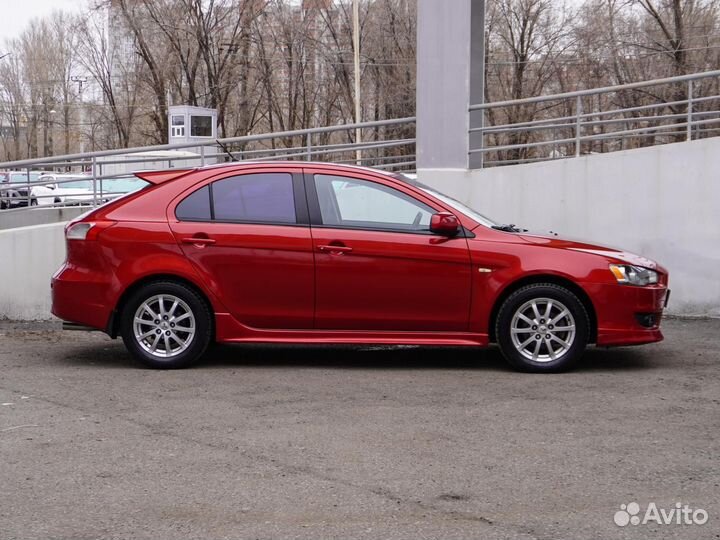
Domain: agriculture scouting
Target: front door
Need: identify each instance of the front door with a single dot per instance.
(377, 265)
(249, 238)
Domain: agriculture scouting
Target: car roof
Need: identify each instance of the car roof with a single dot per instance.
(166, 175)
(290, 163)
(69, 175)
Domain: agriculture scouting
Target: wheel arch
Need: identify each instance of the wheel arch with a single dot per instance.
(114, 322)
(561, 281)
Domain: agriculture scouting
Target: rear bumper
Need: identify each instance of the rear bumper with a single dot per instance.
(76, 299)
(628, 315)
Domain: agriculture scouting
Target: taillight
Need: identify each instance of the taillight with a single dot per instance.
(86, 230)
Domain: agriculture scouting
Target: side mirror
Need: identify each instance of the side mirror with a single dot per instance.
(444, 223)
(50, 186)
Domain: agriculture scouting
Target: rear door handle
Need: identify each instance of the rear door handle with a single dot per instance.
(336, 250)
(198, 241)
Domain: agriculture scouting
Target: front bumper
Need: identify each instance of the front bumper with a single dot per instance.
(628, 315)
(15, 202)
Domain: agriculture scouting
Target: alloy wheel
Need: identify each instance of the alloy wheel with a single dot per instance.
(164, 325)
(543, 330)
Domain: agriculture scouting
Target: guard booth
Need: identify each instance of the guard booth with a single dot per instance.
(188, 124)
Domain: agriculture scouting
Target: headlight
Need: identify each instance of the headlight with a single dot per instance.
(634, 275)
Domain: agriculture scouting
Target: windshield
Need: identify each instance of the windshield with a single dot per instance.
(19, 177)
(78, 184)
(452, 203)
(460, 207)
(126, 184)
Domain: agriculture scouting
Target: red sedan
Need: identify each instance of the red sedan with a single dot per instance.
(321, 253)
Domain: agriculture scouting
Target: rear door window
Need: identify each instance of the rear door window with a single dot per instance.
(248, 198)
(256, 198)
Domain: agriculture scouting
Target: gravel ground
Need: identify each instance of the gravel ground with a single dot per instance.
(299, 442)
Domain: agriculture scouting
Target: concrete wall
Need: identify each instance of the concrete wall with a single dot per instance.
(661, 202)
(22, 217)
(28, 258)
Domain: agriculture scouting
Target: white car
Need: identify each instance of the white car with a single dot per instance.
(14, 187)
(72, 189)
(61, 189)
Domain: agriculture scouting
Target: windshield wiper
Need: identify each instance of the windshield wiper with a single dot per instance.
(508, 228)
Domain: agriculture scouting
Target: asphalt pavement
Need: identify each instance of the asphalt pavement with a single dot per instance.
(373, 443)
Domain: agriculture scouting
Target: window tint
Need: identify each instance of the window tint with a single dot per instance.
(195, 207)
(266, 197)
(351, 202)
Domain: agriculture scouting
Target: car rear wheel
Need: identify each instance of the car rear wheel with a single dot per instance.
(166, 325)
(542, 328)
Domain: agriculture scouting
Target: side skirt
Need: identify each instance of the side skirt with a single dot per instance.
(228, 330)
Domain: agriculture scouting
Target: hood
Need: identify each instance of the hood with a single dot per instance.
(619, 255)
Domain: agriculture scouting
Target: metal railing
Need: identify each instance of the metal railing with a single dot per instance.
(386, 145)
(597, 120)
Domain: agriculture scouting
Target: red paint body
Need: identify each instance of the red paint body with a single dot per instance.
(319, 284)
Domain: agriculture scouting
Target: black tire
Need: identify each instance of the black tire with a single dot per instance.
(33, 202)
(201, 312)
(542, 291)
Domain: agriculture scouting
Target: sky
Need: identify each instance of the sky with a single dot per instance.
(17, 14)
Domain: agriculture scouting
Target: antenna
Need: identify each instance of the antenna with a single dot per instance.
(228, 152)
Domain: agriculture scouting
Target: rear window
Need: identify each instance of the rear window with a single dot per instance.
(248, 198)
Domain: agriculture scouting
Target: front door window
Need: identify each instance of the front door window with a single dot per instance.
(361, 204)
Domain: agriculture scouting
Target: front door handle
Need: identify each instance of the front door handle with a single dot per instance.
(198, 241)
(335, 250)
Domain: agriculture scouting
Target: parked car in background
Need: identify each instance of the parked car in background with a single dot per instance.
(15, 187)
(63, 189)
(325, 253)
(76, 189)
(112, 188)
(54, 189)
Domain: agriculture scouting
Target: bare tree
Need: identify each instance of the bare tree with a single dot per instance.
(530, 39)
(119, 94)
(13, 109)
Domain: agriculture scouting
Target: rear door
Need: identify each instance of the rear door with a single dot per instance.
(378, 266)
(248, 235)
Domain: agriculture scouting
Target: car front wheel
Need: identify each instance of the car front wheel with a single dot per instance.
(166, 325)
(542, 328)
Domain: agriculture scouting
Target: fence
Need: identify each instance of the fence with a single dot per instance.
(541, 128)
(598, 120)
(390, 145)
